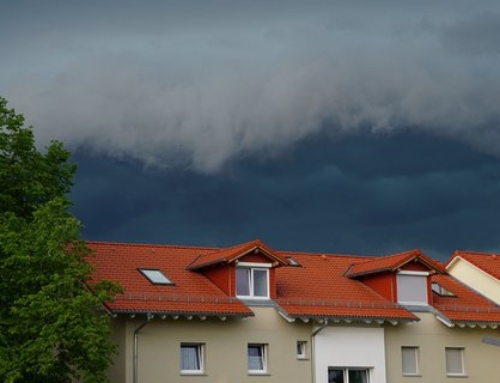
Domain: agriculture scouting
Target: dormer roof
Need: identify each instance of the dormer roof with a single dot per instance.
(392, 263)
(232, 254)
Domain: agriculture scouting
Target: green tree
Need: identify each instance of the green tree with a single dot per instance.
(52, 324)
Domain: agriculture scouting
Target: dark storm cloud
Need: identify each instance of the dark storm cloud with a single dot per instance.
(342, 126)
(321, 197)
(207, 83)
(475, 35)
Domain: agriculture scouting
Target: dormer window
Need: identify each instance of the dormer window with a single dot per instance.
(412, 288)
(252, 280)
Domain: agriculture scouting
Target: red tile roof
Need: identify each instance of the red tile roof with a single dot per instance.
(466, 305)
(392, 263)
(190, 293)
(319, 288)
(488, 262)
(231, 254)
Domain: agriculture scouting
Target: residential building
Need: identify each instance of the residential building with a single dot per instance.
(249, 313)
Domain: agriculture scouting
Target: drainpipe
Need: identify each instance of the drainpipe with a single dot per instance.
(136, 347)
(313, 348)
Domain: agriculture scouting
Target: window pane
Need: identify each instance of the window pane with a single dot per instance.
(256, 358)
(260, 283)
(242, 281)
(454, 361)
(301, 349)
(409, 356)
(358, 376)
(190, 357)
(155, 276)
(335, 376)
(412, 289)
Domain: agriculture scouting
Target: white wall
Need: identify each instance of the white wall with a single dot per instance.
(350, 347)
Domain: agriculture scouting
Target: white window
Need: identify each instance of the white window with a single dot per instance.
(454, 361)
(252, 282)
(410, 360)
(412, 287)
(257, 358)
(301, 349)
(155, 276)
(348, 375)
(192, 358)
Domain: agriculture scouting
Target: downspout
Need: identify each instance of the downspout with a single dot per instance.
(136, 347)
(313, 348)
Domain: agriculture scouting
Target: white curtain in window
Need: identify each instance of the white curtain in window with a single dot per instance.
(256, 358)
(260, 283)
(409, 356)
(190, 358)
(242, 281)
(454, 361)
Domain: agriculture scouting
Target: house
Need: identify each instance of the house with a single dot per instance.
(249, 313)
(446, 342)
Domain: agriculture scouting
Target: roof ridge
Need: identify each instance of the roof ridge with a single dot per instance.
(165, 245)
(473, 252)
(319, 254)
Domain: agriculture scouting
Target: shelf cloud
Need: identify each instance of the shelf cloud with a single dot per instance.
(170, 86)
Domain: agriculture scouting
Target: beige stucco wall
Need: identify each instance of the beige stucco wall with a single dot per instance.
(482, 361)
(477, 279)
(225, 349)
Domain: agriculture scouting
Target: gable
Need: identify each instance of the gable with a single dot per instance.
(475, 277)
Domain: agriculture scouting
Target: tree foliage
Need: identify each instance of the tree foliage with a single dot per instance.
(52, 326)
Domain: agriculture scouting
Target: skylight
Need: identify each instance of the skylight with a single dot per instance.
(292, 261)
(440, 290)
(155, 276)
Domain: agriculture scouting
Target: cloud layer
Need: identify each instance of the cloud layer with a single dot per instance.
(173, 85)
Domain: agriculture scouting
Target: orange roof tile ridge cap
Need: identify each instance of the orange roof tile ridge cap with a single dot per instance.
(165, 245)
(472, 252)
(318, 254)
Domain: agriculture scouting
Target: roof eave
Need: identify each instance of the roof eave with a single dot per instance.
(177, 314)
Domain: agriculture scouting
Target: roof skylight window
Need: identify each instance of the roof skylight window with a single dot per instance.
(440, 290)
(156, 277)
(292, 261)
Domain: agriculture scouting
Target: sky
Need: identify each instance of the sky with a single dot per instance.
(356, 127)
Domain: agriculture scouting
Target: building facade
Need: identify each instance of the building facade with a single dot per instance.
(249, 313)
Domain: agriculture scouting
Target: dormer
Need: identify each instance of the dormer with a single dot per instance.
(245, 271)
(401, 278)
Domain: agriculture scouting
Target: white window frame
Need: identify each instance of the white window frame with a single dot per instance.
(155, 276)
(301, 349)
(400, 276)
(410, 352)
(345, 371)
(252, 268)
(263, 347)
(448, 355)
(200, 354)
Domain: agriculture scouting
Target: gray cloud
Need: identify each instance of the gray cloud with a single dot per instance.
(202, 86)
(476, 35)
